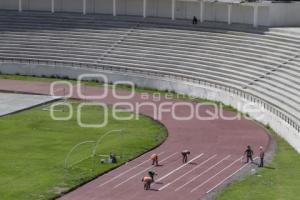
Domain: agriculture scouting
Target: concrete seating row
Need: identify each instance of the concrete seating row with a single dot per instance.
(261, 63)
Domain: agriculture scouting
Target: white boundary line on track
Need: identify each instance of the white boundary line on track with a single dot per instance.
(202, 173)
(229, 176)
(114, 178)
(143, 171)
(180, 177)
(175, 170)
(203, 183)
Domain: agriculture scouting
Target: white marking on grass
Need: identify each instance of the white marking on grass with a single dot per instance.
(202, 173)
(180, 177)
(143, 171)
(203, 183)
(121, 174)
(220, 183)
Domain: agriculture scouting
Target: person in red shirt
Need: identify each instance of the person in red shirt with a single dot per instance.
(147, 180)
(154, 158)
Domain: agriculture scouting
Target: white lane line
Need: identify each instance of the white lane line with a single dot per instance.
(115, 177)
(220, 183)
(203, 183)
(180, 177)
(175, 170)
(143, 171)
(202, 173)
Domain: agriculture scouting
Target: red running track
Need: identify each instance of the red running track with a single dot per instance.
(216, 148)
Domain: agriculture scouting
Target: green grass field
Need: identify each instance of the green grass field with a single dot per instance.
(280, 180)
(33, 148)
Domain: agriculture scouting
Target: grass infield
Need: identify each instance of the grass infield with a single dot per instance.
(33, 148)
(280, 179)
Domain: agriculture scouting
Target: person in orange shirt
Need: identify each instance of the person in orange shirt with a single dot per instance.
(154, 159)
(147, 180)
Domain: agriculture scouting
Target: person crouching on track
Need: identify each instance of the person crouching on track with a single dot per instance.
(249, 154)
(185, 154)
(152, 174)
(154, 158)
(147, 182)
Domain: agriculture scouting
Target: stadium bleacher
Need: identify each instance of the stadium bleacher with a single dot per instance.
(259, 62)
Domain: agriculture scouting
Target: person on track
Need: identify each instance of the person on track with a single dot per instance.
(152, 173)
(249, 154)
(147, 180)
(261, 156)
(154, 158)
(185, 154)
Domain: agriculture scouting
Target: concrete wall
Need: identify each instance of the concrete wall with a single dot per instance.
(242, 14)
(281, 127)
(99, 6)
(159, 8)
(264, 16)
(42, 5)
(68, 5)
(9, 4)
(164, 8)
(192, 9)
(130, 7)
(215, 12)
(287, 14)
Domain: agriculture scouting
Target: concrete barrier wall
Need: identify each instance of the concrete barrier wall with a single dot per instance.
(216, 12)
(243, 14)
(180, 10)
(159, 8)
(68, 5)
(269, 14)
(41, 5)
(182, 87)
(287, 14)
(100, 6)
(9, 4)
(192, 9)
(130, 7)
(263, 16)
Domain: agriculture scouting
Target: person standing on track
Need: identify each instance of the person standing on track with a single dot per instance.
(249, 154)
(185, 154)
(154, 158)
(261, 156)
(147, 182)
